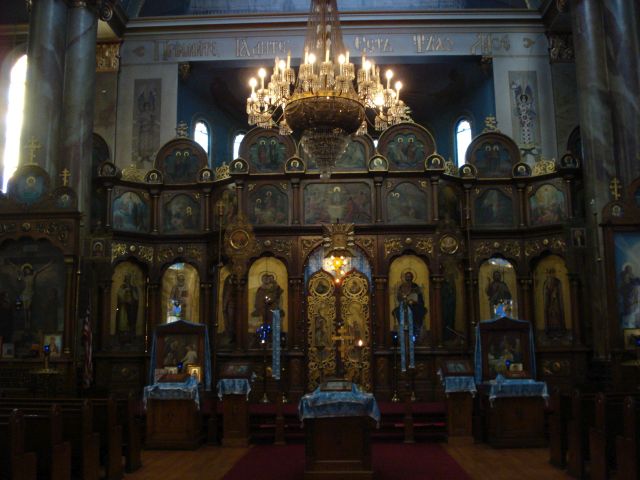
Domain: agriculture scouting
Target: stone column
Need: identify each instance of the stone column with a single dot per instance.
(622, 40)
(597, 141)
(78, 102)
(44, 84)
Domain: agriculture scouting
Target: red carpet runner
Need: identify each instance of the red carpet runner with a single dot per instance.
(426, 461)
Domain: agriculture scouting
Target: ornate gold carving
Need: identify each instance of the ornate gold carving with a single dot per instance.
(338, 239)
(561, 48)
(250, 187)
(182, 130)
(321, 316)
(449, 244)
(279, 245)
(141, 251)
(535, 246)
(556, 367)
(510, 248)
(425, 245)
(390, 184)
(450, 168)
(392, 246)
(133, 174)
(284, 186)
(222, 172)
(239, 244)
(169, 253)
(423, 184)
(309, 244)
(107, 57)
(544, 166)
(490, 124)
(368, 244)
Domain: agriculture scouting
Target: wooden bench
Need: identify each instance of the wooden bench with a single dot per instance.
(104, 423)
(15, 462)
(131, 433)
(77, 429)
(609, 423)
(43, 435)
(628, 443)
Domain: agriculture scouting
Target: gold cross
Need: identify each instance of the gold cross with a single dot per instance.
(615, 188)
(65, 177)
(342, 337)
(32, 146)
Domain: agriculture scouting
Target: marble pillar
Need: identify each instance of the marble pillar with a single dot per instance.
(44, 83)
(622, 39)
(597, 143)
(78, 102)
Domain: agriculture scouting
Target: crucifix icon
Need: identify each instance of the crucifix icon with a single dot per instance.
(615, 188)
(33, 146)
(342, 337)
(65, 177)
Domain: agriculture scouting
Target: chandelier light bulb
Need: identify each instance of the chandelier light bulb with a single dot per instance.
(282, 65)
(312, 58)
(341, 59)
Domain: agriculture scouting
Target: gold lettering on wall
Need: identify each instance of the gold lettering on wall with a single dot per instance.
(487, 43)
(432, 43)
(189, 49)
(261, 48)
(364, 44)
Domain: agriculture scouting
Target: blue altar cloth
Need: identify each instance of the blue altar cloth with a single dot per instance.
(233, 386)
(171, 391)
(502, 387)
(355, 403)
(455, 384)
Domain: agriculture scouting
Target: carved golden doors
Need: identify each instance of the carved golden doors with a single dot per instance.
(338, 323)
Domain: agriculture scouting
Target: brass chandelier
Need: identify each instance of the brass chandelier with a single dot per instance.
(321, 105)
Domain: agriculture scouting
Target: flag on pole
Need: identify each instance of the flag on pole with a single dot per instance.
(87, 341)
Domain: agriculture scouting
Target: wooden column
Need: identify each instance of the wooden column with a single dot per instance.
(576, 313)
(109, 214)
(295, 313)
(436, 310)
(382, 312)
(521, 203)
(242, 309)
(434, 197)
(154, 311)
(525, 306)
(207, 210)
(105, 313)
(69, 304)
(296, 201)
(377, 181)
(154, 211)
(206, 316)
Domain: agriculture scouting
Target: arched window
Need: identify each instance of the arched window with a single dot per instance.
(201, 135)
(14, 119)
(237, 140)
(463, 139)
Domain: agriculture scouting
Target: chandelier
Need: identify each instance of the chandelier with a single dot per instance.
(321, 105)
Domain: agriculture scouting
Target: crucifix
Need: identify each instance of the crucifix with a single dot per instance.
(65, 177)
(341, 350)
(615, 188)
(33, 146)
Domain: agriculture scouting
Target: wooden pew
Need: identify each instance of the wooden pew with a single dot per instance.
(15, 462)
(104, 423)
(560, 406)
(609, 423)
(43, 435)
(105, 417)
(77, 430)
(628, 443)
(582, 418)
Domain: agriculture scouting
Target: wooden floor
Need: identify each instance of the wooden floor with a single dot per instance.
(480, 462)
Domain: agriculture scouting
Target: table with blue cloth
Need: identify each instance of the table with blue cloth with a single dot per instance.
(234, 393)
(338, 432)
(460, 391)
(513, 412)
(173, 415)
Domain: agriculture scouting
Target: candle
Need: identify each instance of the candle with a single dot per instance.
(326, 56)
(347, 57)
(288, 60)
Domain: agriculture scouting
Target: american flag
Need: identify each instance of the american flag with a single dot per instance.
(87, 341)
